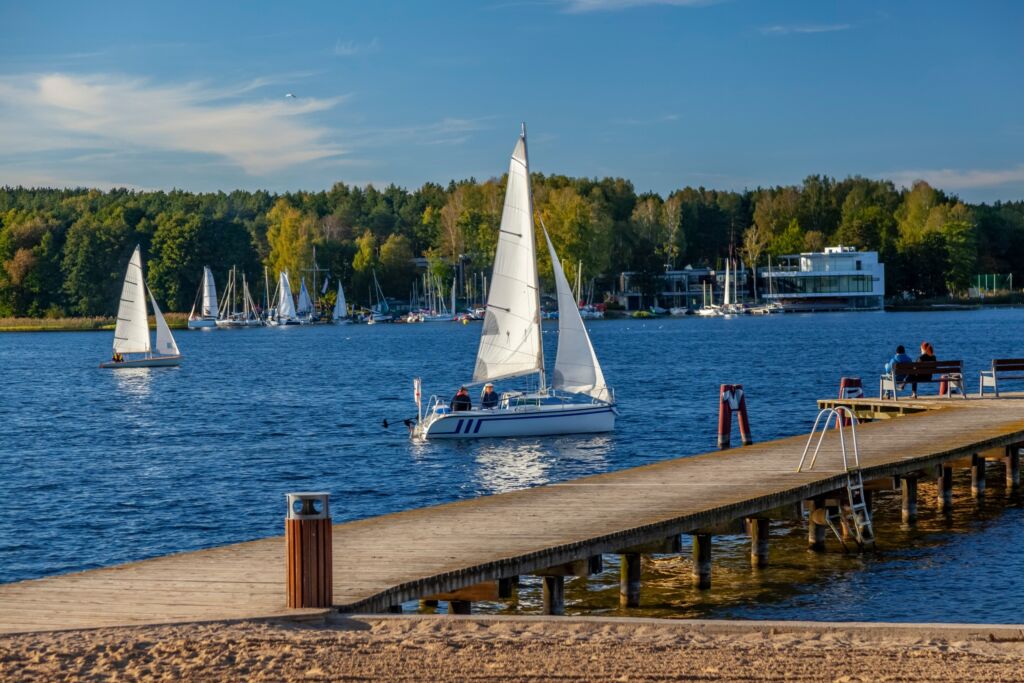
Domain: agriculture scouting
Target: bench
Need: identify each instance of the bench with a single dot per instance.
(1002, 369)
(949, 373)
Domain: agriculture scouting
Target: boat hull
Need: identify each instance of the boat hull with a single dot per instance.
(155, 362)
(530, 421)
(202, 324)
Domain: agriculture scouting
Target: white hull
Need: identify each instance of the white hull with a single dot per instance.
(153, 362)
(201, 323)
(522, 421)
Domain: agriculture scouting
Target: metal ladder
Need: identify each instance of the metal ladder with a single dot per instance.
(854, 514)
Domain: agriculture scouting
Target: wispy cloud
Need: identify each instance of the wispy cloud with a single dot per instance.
(959, 179)
(350, 48)
(582, 6)
(789, 29)
(118, 114)
(447, 131)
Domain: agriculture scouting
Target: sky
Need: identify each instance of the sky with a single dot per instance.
(726, 94)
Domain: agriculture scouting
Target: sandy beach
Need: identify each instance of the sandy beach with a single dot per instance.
(442, 648)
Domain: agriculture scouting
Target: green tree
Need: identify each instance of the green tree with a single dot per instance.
(790, 241)
(290, 236)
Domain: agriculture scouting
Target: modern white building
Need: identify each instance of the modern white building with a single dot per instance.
(838, 279)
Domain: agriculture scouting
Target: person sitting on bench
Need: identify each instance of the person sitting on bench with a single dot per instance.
(900, 357)
(927, 356)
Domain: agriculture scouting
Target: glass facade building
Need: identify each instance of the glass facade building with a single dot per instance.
(840, 278)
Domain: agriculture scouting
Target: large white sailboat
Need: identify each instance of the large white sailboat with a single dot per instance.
(132, 347)
(577, 400)
(207, 298)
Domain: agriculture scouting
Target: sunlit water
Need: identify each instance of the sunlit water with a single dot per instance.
(100, 467)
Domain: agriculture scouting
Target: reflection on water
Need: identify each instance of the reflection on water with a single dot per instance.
(135, 383)
(510, 465)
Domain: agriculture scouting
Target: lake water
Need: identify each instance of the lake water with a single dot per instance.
(101, 467)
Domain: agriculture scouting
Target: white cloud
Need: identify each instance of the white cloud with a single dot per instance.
(667, 118)
(954, 179)
(581, 6)
(351, 48)
(55, 112)
(785, 30)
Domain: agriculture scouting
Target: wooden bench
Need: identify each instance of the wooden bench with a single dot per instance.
(1002, 369)
(947, 372)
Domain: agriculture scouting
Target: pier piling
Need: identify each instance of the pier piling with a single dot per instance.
(758, 542)
(702, 561)
(554, 595)
(629, 580)
(977, 476)
(1011, 461)
(945, 486)
(731, 399)
(908, 488)
(460, 607)
(815, 530)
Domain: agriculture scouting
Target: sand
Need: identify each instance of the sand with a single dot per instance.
(444, 648)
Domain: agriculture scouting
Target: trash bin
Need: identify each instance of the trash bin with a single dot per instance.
(307, 532)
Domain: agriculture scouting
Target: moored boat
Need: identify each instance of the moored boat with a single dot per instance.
(207, 300)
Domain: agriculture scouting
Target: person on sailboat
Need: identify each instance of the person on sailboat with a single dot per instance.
(462, 401)
(490, 397)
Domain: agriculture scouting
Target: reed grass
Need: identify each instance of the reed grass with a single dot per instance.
(176, 321)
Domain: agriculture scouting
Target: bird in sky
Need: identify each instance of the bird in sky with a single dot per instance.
(289, 96)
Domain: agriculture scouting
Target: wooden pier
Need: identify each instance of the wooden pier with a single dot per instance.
(453, 552)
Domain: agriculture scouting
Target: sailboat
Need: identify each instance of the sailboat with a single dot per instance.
(578, 400)
(207, 317)
(305, 308)
(131, 334)
(340, 315)
(230, 314)
(284, 314)
(380, 312)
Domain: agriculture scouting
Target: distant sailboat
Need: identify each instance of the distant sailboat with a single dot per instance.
(305, 308)
(131, 334)
(231, 313)
(207, 316)
(577, 400)
(381, 312)
(340, 315)
(285, 313)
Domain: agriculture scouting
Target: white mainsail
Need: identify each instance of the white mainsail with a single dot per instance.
(576, 368)
(209, 293)
(340, 306)
(510, 343)
(285, 303)
(165, 345)
(131, 334)
(305, 302)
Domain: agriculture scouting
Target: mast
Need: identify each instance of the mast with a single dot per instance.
(542, 377)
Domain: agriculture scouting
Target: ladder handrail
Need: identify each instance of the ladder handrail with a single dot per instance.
(828, 414)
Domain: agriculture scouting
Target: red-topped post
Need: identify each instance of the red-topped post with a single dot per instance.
(849, 387)
(731, 399)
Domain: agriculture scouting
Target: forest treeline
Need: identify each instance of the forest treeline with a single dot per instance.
(64, 251)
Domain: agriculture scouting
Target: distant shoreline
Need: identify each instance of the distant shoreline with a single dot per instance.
(176, 321)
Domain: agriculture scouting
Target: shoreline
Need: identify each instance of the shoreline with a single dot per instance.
(457, 648)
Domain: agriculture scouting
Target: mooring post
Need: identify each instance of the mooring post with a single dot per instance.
(428, 605)
(629, 580)
(849, 387)
(554, 595)
(460, 607)
(945, 486)
(307, 531)
(732, 399)
(758, 542)
(977, 476)
(702, 561)
(1012, 464)
(816, 531)
(507, 587)
(908, 487)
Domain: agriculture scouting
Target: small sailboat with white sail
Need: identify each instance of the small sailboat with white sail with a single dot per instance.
(237, 309)
(577, 400)
(304, 310)
(284, 311)
(206, 297)
(340, 314)
(381, 311)
(132, 347)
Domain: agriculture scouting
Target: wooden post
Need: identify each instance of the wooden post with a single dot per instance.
(507, 587)
(815, 531)
(732, 399)
(428, 605)
(394, 609)
(977, 476)
(460, 607)
(945, 486)
(629, 580)
(308, 552)
(1012, 464)
(908, 486)
(702, 561)
(758, 542)
(554, 595)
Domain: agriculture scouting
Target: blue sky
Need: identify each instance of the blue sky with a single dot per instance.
(728, 94)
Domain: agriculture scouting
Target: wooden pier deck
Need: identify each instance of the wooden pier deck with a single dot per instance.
(387, 560)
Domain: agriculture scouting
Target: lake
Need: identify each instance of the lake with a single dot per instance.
(100, 467)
